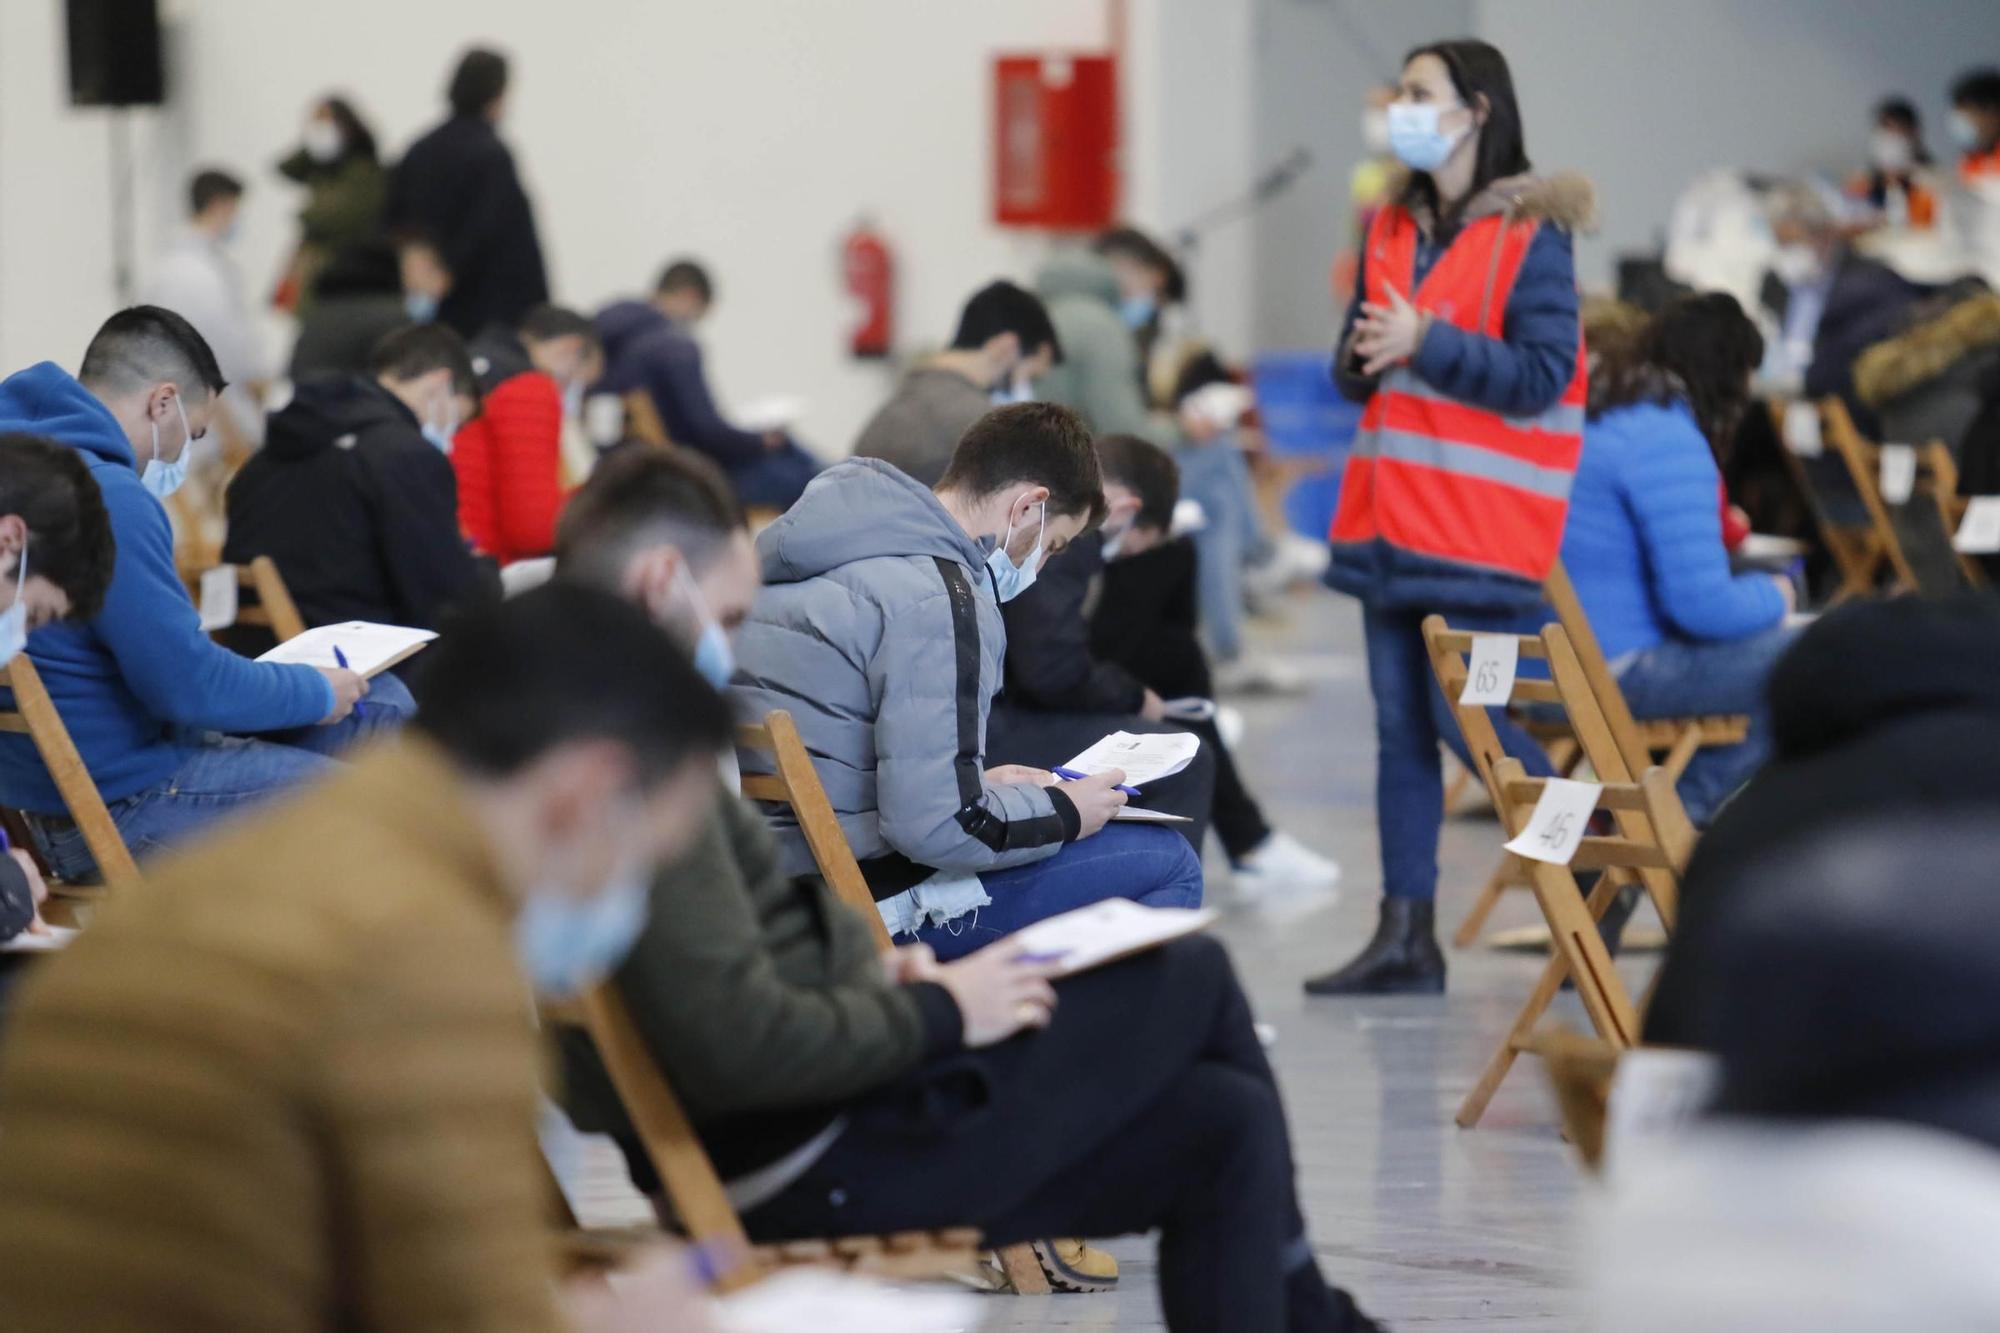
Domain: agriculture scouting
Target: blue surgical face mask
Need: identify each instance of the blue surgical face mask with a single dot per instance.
(421, 307)
(14, 620)
(713, 657)
(162, 478)
(441, 434)
(1009, 579)
(1016, 388)
(1964, 130)
(1415, 137)
(1137, 311)
(567, 944)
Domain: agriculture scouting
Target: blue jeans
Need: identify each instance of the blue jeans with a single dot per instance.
(776, 480)
(1411, 717)
(1217, 475)
(1152, 865)
(218, 776)
(1679, 678)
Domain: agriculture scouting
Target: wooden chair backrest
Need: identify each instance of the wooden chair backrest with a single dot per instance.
(1864, 467)
(642, 420)
(271, 608)
(1617, 714)
(1940, 472)
(796, 784)
(33, 714)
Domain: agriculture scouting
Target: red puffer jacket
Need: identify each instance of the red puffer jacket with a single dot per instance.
(509, 465)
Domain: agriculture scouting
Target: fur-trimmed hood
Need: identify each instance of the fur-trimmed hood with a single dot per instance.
(1567, 199)
(1893, 368)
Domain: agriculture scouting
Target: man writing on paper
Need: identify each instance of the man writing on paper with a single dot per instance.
(879, 628)
(802, 1096)
(291, 1085)
(159, 713)
(353, 495)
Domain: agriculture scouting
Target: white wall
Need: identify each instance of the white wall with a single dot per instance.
(752, 133)
(1644, 96)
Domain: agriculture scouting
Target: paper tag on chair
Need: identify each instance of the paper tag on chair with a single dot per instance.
(1561, 817)
(1979, 530)
(1899, 473)
(1489, 671)
(1654, 1095)
(1802, 429)
(218, 598)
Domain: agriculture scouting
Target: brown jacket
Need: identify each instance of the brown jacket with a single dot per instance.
(289, 1083)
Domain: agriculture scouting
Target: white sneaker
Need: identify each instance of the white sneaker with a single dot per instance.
(1284, 878)
(1229, 725)
(1257, 675)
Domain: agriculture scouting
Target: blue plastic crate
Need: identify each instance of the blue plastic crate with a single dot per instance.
(1304, 414)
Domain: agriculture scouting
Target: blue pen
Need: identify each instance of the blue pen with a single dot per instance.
(1071, 775)
(341, 658)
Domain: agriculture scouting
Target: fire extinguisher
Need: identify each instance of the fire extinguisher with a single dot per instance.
(871, 281)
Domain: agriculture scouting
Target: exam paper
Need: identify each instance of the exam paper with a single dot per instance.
(1133, 814)
(1106, 931)
(370, 648)
(1142, 759)
(777, 412)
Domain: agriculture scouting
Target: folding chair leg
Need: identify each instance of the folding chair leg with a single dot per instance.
(1454, 791)
(1023, 1270)
(1504, 876)
(1522, 1033)
(1686, 746)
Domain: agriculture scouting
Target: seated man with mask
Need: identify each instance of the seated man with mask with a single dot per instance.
(827, 1045)
(175, 730)
(879, 629)
(1004, 343)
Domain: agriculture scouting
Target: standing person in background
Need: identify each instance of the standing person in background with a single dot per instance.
(512, 471)
(345, 187)
(1896, 184)
(1004, 344)
(198, 281)
(1463, 341)
(457, 187)
(1975, 124)
(650, 345)
(1151, 291)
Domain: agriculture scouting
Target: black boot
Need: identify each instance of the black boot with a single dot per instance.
(1402, 959)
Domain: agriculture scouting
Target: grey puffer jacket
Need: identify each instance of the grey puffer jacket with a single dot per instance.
(879, 631)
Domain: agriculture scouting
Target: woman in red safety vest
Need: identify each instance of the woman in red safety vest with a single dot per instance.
(1464, 342)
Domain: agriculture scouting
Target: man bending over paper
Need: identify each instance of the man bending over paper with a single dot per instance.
(879, 629)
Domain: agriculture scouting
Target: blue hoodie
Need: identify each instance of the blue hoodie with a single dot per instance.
(128, 680)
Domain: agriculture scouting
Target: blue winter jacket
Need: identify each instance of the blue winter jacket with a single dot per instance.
(643, 349)
(1643, 545)
(130, 681)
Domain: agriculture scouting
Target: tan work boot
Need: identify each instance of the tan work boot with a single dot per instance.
(1072, 1265)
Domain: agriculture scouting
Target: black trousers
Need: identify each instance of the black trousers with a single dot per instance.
(1043, 740)
(1146, 1105)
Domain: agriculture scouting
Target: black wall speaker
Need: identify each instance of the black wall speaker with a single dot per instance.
(114, 53)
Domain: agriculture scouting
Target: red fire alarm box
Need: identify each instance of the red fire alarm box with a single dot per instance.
(1055, 141)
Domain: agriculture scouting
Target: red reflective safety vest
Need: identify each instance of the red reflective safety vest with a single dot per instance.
(1442, 503)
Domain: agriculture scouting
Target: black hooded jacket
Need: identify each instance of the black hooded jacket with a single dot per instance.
(1879, 708)
(358, 510)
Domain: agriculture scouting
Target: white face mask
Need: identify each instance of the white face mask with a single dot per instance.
(14, 620)
(1890, 151)
(322, 140)
(162, 478)
(1796, 264)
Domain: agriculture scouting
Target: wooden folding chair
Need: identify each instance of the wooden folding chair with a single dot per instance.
(1842, 488)
(1671, 742)
(642, 420)
(272, 608)
(1581, 1070)
(30, 712)
(1652, 844)
(691, 1183)
(1937, 492)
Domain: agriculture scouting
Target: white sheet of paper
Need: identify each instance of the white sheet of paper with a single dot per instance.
(369, 647)
(25, 942)
(1558, 823)
(218, 598)
(1190, 709)
(1142, 759)
(777, 412)
(1132, 814)
(1802, 430)
(1979, 530)
(1080, 940)
(828, 1302)
(526, 575)
(1655, 1093)
(1489, 670)
(1898, 473)
(1220, 405)
(604, 419)
(1767, 546)
(1189, 518)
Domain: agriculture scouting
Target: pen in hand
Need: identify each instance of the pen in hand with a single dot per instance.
(341, 658)
(1071, 775)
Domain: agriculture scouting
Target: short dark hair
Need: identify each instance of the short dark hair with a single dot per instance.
(69, 533)
(1477, 69)
(1148, 471)
(562, 663)
(356, 138)
(418, 349)
(1134, 244)
(1898, 110)
(545, 323)
(1201, 370)
(1043, 444)
(1978, 88)
(208, 185)
(686, 275)
(144, 345)
(1001, 307)
(478, 81)
(1698, 349)
(645, 497)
